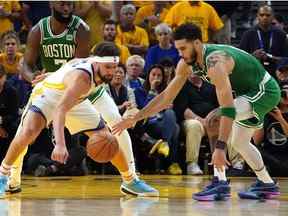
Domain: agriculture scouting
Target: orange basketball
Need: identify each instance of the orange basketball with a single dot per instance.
(102, 147)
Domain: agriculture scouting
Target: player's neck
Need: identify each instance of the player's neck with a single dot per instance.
(56, 26)
(200, 51)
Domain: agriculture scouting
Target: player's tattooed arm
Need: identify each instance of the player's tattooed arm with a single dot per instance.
(219, 56)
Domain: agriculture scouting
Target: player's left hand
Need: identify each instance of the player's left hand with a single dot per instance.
(60, 154)
(125, 123)
(219, 159)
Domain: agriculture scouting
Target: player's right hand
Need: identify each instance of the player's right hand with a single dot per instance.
(125, 123)
(60, 154)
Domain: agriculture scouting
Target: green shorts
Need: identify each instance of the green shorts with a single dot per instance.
(263, 100)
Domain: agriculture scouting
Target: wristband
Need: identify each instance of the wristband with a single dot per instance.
(229, 112)
(220, 145)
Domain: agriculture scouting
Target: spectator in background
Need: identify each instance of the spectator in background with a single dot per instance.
(130, 35)
(135, 66)
(10, 57)
(9, 12)
(149, 16)
(94, 13)
(197, 12)
(282, 70)
(165, 48)
(272, 138)
(119, 92)
(163, 125)
(169, 68)
(266, 42)
(225, 9)
(11, 60)
(196, 99)
(109, 34)
(8, 113)
(278, 21)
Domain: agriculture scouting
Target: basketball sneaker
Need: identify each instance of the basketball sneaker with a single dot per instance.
(216, 191)
(13, 189)
(3, 184)
(160, 147)
(260, 190)
(138, 188)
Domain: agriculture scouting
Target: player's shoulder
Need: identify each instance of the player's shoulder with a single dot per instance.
(80, 23)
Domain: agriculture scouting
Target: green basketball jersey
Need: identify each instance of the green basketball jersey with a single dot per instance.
(247, 73)
(56, 50)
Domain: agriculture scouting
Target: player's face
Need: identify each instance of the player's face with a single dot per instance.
(10, 46)
(62, 10)
(109, 32)
(106, 71)
(186, 50)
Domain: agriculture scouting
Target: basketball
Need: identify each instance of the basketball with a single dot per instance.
(102, 147)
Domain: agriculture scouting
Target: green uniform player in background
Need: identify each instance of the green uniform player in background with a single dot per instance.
(245, 92)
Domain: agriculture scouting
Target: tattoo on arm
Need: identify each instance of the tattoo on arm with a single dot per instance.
(217, 56)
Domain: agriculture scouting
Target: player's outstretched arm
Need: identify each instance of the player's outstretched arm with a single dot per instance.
(159, 102)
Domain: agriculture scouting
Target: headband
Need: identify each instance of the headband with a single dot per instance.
(105, 59)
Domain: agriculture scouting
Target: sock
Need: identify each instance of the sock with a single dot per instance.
(263, 175)
(5, 169)
(220, 174)
(128, 176)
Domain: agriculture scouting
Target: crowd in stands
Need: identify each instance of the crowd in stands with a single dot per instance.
(178, 140)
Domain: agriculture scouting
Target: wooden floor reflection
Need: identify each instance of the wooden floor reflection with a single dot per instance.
(99, 195)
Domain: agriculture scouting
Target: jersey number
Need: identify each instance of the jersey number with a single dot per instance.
(59, 61)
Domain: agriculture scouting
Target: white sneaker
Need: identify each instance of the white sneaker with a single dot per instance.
(194, 169)
(238, 165)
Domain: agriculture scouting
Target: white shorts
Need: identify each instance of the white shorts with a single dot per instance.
(82, 117)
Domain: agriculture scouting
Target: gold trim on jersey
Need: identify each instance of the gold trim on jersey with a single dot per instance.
(58, 86)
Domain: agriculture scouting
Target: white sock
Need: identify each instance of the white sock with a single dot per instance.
(220, 174)
(264, 176)
(5, 169)
(128, 176)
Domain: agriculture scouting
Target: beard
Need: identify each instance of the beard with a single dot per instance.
(192, 60)
(105, 79)
(60, 17)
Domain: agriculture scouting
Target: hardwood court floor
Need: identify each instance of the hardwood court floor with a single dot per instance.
(99, 195)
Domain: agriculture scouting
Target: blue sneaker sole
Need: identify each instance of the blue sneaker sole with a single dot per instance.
(259, 195)
(212, 197)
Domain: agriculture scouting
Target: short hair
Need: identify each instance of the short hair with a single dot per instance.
(110, 22)
(266, 6)
(138, 58)
(188, 31)
(106, 49)
(127, 7)
(162, 27)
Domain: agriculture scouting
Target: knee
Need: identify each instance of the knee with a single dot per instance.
(30, 132)
(192, 125)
